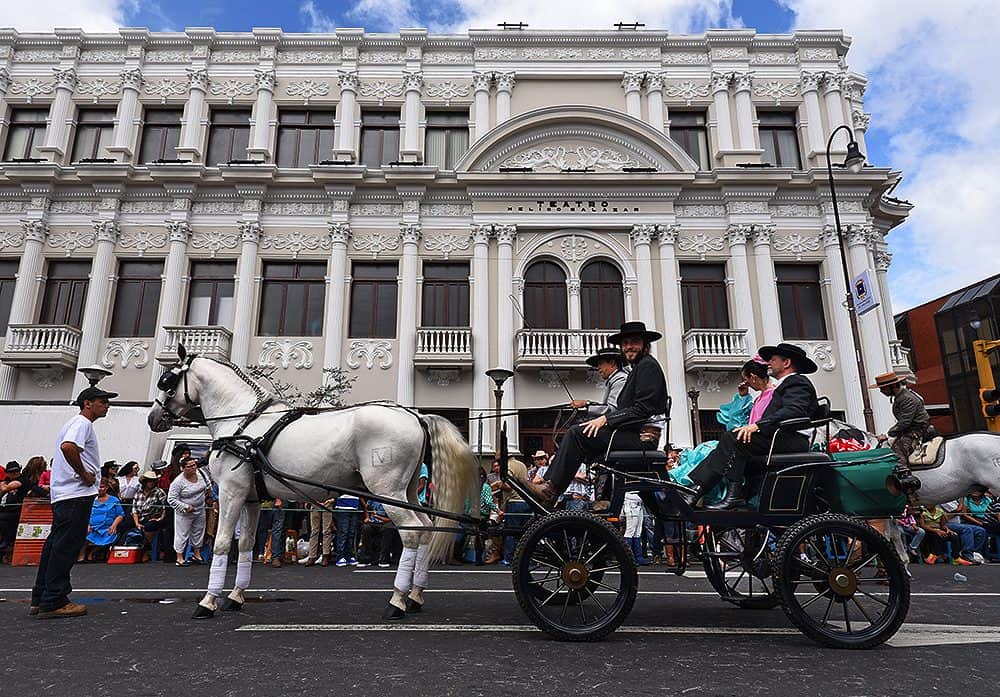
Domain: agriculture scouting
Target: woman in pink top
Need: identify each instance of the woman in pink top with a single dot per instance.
(755, 377)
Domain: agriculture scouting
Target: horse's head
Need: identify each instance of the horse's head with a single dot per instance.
(178, 398)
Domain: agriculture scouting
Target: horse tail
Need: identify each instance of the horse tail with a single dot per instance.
(456, 479)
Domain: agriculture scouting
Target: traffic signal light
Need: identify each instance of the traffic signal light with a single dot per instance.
(991, 402)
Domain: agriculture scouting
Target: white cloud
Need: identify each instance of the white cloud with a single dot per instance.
(934, 78)
(44, 15)
(316, 19)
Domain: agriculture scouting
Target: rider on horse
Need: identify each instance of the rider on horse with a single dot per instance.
(912, 419)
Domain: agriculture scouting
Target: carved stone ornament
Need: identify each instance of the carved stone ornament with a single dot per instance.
(11, 239)
(231, 89)
(265, 79)
(215, 241)
(448, 90)
(339, 233)
(819, 54)
(445, 209)
(307, 89)
(413, 81)
(553, 379)
(562, 158)
(447, 58)
(198, 79)
(861, 119)
(274, 352)
(444, 376)
(701, 244)
(687, 90)
(126, 350)
(643, 233)
(776, 90)
(825, 357)
(447, 244)
(166, 88)
(573, 248)
(711, 380)
(774, 58)
(168, 56)
(72, 240)
(700, 210)
(747, 207)
(74, 206)
(234, 56)
(143, 240)
(47, 378)
(368, 351)
(295, 242)
(100, 88)
(795, 210)
(131, 79)
(379, 209)
(796, 244)
(380, 57)
(297, 207)
(308, 57)
(685, 58)
(31, 88)
(382, 90)
(376, 243)
(882, 261)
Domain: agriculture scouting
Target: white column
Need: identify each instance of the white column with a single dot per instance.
(333, 347)
(767, 289)
(4, 85)
(743, 83)
(60, 113)
(481, 385)
(505, 85)
(481, 84)
(22, 302)
(632, 84)
(128, 113)
(413, 82)
(673, 328)
(505, 235)
(98, 292)
(642, 235)
(348, 100)
(835, 109)
(842, 327)
(173, 284)
(723, 121)
(573, 294)
(410, 234)
(260, 135)
(873, 344)
(243, 312)
(882, 261)
(860, 121)
(191, 135)
(814, 118)
(740, 272)
(654, 100)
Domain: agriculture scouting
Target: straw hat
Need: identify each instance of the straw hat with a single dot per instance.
(887, 380)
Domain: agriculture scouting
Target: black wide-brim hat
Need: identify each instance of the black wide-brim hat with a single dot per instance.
(634, 329)
(804, 365)
(607, 354)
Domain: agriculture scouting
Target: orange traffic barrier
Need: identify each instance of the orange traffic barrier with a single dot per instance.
(32, 529)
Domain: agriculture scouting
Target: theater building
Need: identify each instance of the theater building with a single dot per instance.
(415, 209)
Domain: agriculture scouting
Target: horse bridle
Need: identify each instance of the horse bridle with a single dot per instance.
(168, 384)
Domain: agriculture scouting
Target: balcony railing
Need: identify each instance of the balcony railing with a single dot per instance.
(444, 346)
(715, 348)
(565, 348)
(40, 345)
(900, 356)
(213, 342)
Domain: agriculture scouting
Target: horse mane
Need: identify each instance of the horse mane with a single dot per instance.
(250, 382)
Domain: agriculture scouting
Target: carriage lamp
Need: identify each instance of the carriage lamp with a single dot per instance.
(94, 374)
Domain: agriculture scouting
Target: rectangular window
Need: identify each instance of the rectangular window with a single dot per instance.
(373, 300)
(137, 298)
(228, 137)
(94, 133)
(210, 295)
(688, 129)
(291, 301)
(304, 138)
(703, 294)
(779, 138)
(801, 301)
(65, 293)
(26, 134)
(8, 276)
(379, 138)
(446, 295)
(161, 133)
(446, 139)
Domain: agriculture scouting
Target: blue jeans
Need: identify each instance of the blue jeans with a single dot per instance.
(516, 515)
(278, 533)
(577, 505)
(912, 537)
(347, 533)
(974, 537)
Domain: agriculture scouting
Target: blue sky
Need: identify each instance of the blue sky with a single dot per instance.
(932, 67)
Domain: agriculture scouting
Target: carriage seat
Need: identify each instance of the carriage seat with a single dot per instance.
(782, 460)
(636, 460)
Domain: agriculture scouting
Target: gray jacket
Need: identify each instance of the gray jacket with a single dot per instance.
(908, 409)
(612, 388)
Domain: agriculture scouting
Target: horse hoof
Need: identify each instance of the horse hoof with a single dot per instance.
(203, 613)
(393, 613)
(231, 606)
(413, 606)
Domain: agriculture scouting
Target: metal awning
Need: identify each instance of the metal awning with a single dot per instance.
(970, 294)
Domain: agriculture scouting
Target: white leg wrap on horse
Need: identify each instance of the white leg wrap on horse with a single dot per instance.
(237, 596)
(398, 599)
(245, 560)
(417, 594)
(420, 572)
(217, 574)
(209, 603)
(404, 572)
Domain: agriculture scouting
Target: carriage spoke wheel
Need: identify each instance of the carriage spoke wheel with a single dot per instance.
(574, 577)
(738, 565)
(841, 582)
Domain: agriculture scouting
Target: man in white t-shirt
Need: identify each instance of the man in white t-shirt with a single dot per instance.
(76, 468)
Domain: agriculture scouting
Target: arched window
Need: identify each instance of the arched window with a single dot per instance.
(602, 297)
(545, 296)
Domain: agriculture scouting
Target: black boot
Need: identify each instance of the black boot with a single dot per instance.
(697, 491)
(733, 498)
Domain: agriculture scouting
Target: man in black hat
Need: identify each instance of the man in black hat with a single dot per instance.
(794, 397)
(609, 363)
(643, 395)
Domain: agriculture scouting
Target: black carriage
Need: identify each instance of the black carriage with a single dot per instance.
(802, 543)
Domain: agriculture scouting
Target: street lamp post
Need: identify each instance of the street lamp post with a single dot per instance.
(854, 163)
(499, 376)
(693, 395)
(94, 374)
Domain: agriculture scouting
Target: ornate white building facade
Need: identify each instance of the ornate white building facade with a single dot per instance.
(415, 209)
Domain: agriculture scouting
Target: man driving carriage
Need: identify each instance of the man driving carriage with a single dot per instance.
(912, 420)
(643, 396)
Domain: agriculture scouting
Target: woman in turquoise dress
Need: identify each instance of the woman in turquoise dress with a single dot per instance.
(105, 517)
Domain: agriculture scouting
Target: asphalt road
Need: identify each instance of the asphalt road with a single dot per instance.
(472, 639)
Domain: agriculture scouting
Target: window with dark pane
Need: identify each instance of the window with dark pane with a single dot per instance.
(8, 277)
(210, 294)
(602, 296)
(137, 298)
(94, 134)
(292, 298)
(545, 302)
(373, 300)
(446, 138)
(25, 134)
(304, 137)
(379, 138)
(703, 296)
(800, 298)
(161, 134)
(779, 138)
(228, 136)
(65, 293)
(689, 130)
(445, 295)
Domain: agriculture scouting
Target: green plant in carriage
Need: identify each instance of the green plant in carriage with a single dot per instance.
(336, 384)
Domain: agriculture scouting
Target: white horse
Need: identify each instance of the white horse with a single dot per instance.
(374, 446)
(970, 459)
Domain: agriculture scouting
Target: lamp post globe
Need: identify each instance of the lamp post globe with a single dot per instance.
(499, 376)
(94, 373)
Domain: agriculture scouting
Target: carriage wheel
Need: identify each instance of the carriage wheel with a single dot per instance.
(574, 577)
(738, 565)
(841, 582)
